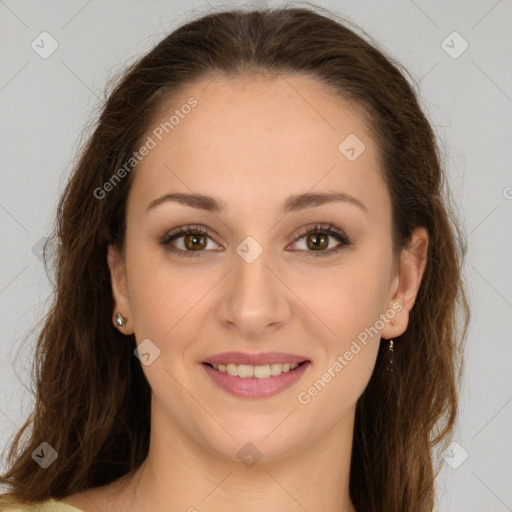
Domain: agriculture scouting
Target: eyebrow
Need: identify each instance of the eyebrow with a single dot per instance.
(292, 204)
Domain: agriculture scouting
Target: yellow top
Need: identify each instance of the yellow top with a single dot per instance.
(44, 506)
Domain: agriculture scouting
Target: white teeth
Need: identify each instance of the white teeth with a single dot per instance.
(246, 371)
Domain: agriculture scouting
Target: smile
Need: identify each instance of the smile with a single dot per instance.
(255, 381)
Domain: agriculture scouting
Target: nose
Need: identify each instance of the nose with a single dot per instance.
(255, 299)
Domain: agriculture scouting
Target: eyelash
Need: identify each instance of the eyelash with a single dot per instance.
(327, 229)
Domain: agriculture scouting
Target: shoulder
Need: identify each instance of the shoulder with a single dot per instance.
(49, 505)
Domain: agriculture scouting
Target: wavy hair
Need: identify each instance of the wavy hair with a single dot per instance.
(92, 398)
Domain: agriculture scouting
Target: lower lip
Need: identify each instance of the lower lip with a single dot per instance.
(253, 387)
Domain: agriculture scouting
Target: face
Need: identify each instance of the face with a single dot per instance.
(249, 277)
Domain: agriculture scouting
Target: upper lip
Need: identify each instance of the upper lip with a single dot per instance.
(254, 359)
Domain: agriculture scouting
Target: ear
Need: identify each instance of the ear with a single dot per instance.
(117, 266)
(413, 261)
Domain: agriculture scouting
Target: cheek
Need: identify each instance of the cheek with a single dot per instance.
(352, 307)
(348, 297)
(158, 291)
(170, 300)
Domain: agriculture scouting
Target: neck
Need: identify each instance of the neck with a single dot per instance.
(181, 474)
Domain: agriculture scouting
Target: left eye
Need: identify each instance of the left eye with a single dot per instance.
(194, 240)
(317, 237)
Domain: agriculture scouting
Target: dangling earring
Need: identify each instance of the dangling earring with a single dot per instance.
(120, 321)
(390, 367)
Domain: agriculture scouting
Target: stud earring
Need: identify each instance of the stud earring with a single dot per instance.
(120, 321)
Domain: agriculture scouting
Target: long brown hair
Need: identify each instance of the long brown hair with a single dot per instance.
(92, 403)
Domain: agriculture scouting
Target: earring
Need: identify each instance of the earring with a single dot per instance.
(390, 367)
(120, 321)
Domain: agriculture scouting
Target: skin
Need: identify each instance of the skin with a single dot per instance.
(252, 142)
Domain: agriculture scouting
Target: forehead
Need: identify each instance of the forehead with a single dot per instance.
(259, 137)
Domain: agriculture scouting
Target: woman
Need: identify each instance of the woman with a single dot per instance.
(258, 285)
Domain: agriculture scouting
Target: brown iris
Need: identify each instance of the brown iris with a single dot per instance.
(191, 241)
(315, 245)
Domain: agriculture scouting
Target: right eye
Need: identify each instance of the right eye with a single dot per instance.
(194, 240)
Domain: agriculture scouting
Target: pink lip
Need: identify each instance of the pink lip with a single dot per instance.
(254, 359)
(253, 387)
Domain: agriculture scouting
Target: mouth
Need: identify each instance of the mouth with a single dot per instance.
(255, 375)
(248, 371)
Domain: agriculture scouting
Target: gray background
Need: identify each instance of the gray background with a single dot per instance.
(45, 104)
